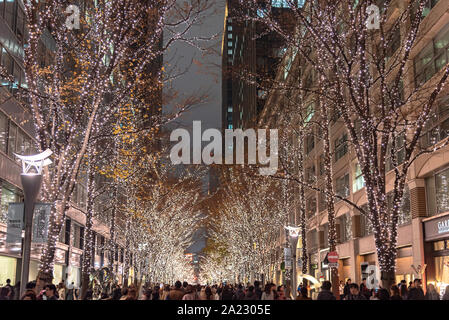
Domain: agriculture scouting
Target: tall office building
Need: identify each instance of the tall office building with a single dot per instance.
(250, 58)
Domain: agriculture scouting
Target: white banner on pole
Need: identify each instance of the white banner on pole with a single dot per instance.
(288, 258)
(15, 222)
(40, 222)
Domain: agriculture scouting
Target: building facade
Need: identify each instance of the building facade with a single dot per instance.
(423, 233)
(17, 136)
(250, 59)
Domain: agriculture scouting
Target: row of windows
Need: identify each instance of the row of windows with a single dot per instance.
(14, 16)
(13, 139)
(345, 227)
(342, 189)
(14, 69)
(433, 57)
(77, 241)
(438, 193)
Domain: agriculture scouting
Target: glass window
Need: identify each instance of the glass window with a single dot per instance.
(3, 131)
(67, 231)
(76, 236)
(312, 239)
(341, 147)
(81, 243)
(442, 273)
(428, 5)
(310, 174)
(439, 245)
(442, 191)
(20, 148)
(345, 228)
(10, 13)
(310, 143)
(326, 235)
(437, 127)
(20, 25)
(366, 225)
(311, 207)
(322, 204)
(2, 8)
(16, 73)
(424, 68)
(394, 42)
(321, 164)
(310, 112)
(404, 209)
(8, 64)
(359, 181)
(433, 57)
(342, 186)
(405, 215)
(12, 139)
(399, 152)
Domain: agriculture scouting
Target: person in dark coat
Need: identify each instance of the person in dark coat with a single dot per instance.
(326, 293)
(346, 290)
(227, 293)
(257, 289)
(416, 292)
(354, 293)
(384, 294)
(239, 293)
(250, 294)
(394, 293)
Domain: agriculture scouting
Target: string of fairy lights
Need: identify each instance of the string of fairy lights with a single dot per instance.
(79, 82)
(369, 87)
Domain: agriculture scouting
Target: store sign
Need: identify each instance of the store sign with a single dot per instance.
(436, 228)
(15, 222)
(443, 226)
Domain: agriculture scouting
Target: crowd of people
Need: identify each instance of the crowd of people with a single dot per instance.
(49, 292)
(186, 291)
(400, 291)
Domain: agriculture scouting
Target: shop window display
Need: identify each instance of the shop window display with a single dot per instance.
(8, 270)
(442, 273)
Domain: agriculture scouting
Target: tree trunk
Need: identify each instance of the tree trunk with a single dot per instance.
(387, 279)
(329, 190)
(45, 274)
(88, 239)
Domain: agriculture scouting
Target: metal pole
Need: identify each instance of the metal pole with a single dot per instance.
(294, 243)
(31, 185)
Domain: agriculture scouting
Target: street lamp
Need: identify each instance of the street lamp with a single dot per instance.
(293, 232)
(31, 179)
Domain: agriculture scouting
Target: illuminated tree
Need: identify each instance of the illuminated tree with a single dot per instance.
(84, 80)
(366, 77)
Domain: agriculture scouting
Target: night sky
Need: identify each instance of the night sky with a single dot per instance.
(200, 74)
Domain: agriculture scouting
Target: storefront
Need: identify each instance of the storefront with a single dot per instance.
(436, 235)
(404, 262)
(74, 270)
(8, 266)
(344, 269)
